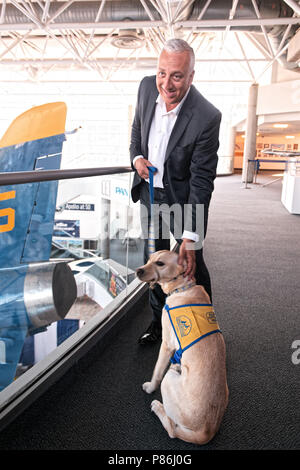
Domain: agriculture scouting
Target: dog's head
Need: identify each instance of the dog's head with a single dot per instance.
(161, 268)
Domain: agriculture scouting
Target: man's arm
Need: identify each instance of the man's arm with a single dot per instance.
(135, 141)
(135, 147)
(138, 162)
(203, 172)
(204, 162)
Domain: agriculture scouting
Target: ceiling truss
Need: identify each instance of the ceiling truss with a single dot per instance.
(37, 37)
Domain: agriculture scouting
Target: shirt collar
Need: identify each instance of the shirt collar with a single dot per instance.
(176, 110)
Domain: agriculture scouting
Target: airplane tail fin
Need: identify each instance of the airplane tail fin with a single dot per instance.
(36, 123)
(33, 141)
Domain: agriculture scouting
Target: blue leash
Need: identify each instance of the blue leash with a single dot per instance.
(151, 235)
(152, 170)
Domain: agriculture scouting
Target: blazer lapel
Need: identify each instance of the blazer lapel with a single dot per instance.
(182, 121)
(148, 118)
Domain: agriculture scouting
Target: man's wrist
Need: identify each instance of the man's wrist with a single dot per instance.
(136, 158)
(191, 236)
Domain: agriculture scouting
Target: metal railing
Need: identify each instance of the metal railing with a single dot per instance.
(36, 176)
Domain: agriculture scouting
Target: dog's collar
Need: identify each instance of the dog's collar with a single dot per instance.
(180, 289)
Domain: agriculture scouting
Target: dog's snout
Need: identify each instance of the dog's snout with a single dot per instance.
(139, 272)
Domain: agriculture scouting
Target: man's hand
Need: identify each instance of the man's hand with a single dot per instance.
(187, 255)
(141, 166)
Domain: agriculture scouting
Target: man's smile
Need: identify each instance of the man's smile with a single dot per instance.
(169, 93)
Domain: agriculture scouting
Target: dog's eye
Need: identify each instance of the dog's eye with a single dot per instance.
(160, 263)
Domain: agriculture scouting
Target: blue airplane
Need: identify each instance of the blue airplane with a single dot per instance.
(34, 292)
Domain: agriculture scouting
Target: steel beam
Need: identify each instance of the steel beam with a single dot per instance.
(203, 25)
(144, 62)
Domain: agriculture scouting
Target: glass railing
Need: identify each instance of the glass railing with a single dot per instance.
(97, 234)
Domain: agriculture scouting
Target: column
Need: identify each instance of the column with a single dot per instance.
(250, 137)
(230, 151)
(105, 228)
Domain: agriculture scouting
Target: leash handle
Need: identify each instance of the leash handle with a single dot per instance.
(152, 170)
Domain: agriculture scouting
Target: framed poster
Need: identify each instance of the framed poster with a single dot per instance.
(277, 146)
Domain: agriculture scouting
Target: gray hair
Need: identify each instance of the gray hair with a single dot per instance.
(179, 45)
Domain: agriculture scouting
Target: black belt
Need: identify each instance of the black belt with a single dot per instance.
(160, 190)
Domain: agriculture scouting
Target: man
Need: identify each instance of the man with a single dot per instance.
(176, 130)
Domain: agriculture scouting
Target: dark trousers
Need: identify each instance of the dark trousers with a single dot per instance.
(156, 295)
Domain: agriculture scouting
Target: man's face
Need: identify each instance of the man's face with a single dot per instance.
(174, 76)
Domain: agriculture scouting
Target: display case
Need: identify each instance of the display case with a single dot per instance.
(290, 196)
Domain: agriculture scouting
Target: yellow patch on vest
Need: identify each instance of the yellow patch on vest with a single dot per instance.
(192, 322)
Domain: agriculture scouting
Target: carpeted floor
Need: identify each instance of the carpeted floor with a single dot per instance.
(252, 251)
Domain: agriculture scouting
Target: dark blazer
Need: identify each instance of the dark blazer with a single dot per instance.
(191, 156)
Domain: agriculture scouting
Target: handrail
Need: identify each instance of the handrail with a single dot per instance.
(23, 177)
(82, 250)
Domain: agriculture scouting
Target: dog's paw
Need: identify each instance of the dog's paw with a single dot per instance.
(148, 387)
(156, 406)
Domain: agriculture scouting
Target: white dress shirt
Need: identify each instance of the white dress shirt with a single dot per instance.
(159, 135)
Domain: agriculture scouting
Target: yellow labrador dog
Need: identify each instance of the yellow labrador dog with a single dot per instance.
(194, 389)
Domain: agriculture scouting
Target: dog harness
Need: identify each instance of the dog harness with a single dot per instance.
(191, 323)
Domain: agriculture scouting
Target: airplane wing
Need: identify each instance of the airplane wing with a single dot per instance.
(32, 295)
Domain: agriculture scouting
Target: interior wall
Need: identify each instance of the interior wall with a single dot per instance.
(283, 97)
(275, 141)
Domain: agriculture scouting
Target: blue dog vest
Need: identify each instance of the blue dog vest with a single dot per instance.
(191, 323)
